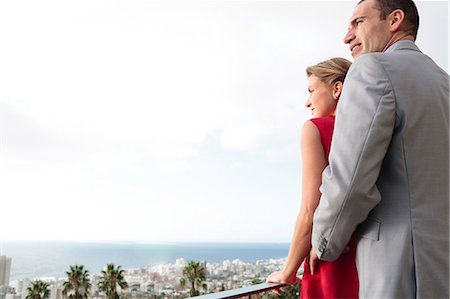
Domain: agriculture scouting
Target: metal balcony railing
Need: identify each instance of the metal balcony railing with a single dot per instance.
(241, 292)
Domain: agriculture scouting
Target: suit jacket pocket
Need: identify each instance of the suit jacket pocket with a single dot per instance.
(369, 229)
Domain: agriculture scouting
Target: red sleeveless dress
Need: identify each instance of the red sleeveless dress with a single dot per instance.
(338, 279)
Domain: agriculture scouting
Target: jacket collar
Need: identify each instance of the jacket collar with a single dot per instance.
(402, 45)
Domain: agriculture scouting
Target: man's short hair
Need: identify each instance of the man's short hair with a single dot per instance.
(407, 6)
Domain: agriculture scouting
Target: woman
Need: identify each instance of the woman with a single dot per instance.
(336, 279)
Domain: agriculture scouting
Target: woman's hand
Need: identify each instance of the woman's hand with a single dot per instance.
(280, 277)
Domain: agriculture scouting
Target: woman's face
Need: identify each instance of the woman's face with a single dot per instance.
(321, 100)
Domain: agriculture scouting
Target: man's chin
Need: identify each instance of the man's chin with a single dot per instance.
(357, 54)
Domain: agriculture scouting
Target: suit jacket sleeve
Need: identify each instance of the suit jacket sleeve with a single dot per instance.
(365, 121)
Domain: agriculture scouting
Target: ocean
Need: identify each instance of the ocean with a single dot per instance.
(52, 259)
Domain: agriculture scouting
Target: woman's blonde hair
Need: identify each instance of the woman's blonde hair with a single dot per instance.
(330, 71)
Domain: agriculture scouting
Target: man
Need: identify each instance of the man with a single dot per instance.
(388, 176)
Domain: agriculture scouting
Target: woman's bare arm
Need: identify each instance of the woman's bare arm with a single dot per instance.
(313, 163)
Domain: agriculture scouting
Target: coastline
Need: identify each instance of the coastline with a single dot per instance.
(37, 259)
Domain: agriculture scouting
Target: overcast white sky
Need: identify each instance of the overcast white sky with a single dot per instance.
(163, 121)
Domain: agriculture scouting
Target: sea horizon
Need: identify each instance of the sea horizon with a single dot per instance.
(38, 259)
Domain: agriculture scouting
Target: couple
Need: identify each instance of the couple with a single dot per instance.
(381, 226)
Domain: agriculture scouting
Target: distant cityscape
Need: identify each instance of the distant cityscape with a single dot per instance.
(162, 281)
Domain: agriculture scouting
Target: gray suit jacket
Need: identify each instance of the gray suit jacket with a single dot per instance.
(388, 176)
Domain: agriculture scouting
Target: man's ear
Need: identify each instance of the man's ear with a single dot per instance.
(337, 89)
(396, 19)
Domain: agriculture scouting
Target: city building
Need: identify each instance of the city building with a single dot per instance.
(5, 272)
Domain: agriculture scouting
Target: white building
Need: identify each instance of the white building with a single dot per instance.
(181, 262)
(5, 270)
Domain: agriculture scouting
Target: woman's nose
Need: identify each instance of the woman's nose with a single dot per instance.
(308, 104)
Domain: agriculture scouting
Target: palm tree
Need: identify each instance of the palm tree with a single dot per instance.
(195, 273)
(38, 290)
(111, 279)
(78, 284)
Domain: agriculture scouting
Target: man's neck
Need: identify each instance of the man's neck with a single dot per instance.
(397, 37)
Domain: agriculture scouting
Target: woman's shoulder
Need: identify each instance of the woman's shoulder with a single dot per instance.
(310, 135)
(310, 129)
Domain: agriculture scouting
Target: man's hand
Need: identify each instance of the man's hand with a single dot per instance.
(313, 261)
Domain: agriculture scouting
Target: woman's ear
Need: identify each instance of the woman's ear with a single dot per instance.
(337, 89)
